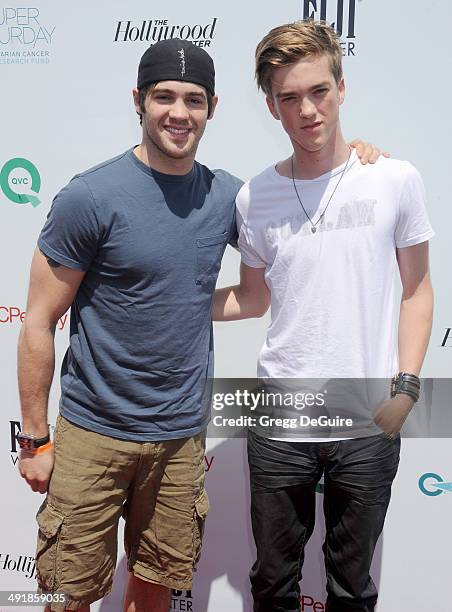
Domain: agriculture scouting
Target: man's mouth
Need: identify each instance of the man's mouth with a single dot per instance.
(312, 126)
(177, 131)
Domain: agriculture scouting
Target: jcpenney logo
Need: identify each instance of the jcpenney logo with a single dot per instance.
(309, 603)
(432, 485)
(12, 314)
(208, 463)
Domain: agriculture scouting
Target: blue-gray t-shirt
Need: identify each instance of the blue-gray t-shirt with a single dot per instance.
(151, 244)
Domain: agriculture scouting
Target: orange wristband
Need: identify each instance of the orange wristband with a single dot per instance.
(43, 449)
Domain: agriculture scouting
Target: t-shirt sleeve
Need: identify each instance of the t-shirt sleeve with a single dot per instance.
(233, 234)
(413, 226)
(71, 233)
(248, 252)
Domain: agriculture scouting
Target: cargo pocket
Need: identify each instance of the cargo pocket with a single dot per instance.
(209, 253)
(200, 512)
(48, 562)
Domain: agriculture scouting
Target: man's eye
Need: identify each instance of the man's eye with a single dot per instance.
(288, 98)
(196, 101)
(321, 91)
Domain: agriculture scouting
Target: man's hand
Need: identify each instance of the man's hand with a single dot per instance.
(392, 414)
(366, 152)
(36, 469)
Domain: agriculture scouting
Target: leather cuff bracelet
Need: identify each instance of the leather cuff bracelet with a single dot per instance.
(408, 384)
(31, 444)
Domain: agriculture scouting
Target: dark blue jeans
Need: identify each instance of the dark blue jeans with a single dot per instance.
(358, 475)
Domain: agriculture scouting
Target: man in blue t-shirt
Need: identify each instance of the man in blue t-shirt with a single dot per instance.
(134, 246)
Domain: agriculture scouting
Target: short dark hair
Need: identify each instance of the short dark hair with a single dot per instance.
(143, 92)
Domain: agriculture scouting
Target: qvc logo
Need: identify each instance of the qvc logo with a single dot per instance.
(18, 178)
(432, 484)
(12, 314)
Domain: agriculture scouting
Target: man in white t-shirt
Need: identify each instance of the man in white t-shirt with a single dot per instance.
(320, 236)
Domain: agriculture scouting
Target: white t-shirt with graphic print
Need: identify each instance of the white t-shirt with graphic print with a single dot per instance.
(333, 308)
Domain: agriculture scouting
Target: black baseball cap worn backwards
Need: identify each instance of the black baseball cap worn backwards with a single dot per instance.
(176, 60)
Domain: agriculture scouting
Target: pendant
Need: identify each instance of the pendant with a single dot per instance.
(313, 229)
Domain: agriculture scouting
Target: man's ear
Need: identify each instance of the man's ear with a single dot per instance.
(136, 100)
(272, 107)
(213, 106)
(341, 88)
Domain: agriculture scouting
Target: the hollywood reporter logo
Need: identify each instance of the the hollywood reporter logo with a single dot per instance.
(24, 564)
(154, 30)
(340, 15)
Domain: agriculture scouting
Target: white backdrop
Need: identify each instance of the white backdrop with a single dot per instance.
(67, 71)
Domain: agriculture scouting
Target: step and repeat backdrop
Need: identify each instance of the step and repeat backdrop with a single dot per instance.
(66, 72)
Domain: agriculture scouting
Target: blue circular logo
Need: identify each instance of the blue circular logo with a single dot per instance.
(433, 477)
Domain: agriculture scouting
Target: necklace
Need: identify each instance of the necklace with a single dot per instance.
(314, 225)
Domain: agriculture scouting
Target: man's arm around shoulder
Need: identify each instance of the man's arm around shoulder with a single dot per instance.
(251, 298)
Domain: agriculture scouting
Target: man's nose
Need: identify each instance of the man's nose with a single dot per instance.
(307, 108)
(179, 110)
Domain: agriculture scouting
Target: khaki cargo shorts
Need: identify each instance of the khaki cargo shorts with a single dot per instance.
(158, 487)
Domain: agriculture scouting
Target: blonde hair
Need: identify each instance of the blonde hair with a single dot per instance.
(288, 43)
